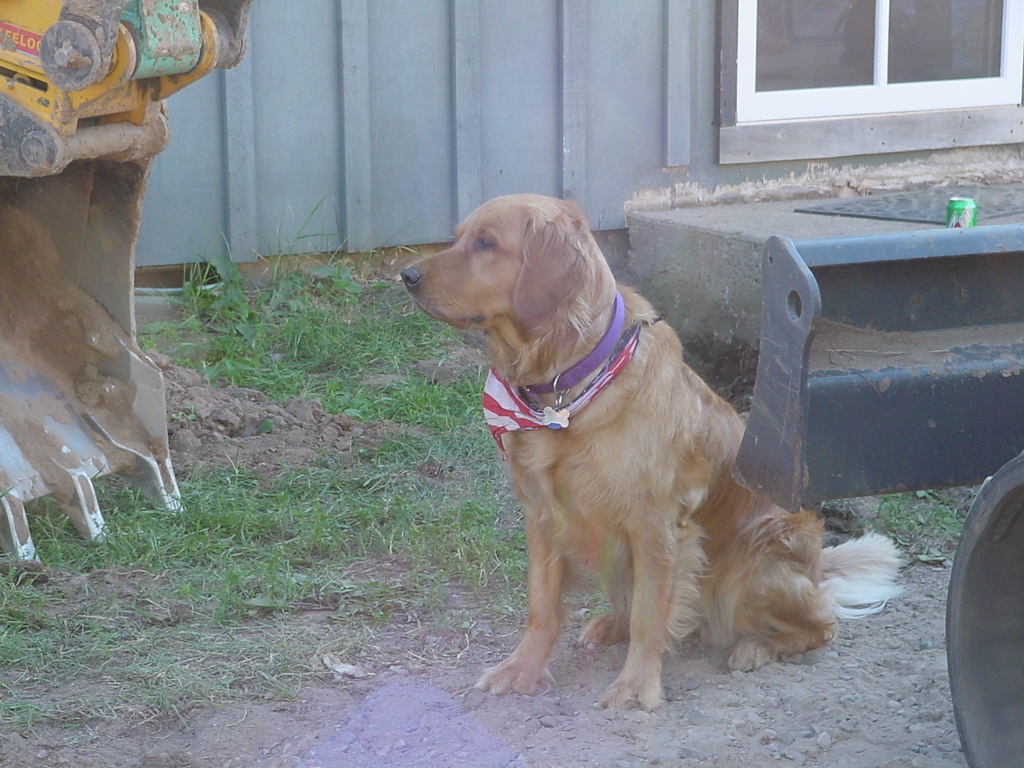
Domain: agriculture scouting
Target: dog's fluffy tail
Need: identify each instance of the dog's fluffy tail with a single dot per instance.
(860, 575)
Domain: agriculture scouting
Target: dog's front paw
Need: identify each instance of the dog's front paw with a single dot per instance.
(605, 629)
(513, 675)
(750, 653)
(626, 693)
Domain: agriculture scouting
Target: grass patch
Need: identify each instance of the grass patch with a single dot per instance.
(239, 596)
(319, 333)
(925, 525)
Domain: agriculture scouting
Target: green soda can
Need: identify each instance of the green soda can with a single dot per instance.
(961, 212)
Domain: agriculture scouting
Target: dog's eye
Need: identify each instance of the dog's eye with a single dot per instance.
(483, 244)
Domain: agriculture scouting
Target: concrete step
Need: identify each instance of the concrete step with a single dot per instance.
(701, 268)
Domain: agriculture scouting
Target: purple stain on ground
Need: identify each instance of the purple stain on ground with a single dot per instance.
(412, 724)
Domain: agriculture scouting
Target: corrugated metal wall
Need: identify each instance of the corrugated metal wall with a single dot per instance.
(367, 123)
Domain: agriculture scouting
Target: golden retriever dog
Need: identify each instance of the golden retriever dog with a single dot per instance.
(622, 458)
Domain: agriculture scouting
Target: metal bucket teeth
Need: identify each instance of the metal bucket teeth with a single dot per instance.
(50, 450)
(53, 448)
(14, 533)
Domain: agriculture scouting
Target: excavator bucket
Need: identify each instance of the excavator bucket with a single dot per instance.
(78, 398)
(81, 116)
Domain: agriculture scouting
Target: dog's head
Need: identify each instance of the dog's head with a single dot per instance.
(522, 263)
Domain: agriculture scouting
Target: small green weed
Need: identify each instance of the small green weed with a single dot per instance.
(926, 525)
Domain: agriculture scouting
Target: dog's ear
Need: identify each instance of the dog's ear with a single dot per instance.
(554, 255)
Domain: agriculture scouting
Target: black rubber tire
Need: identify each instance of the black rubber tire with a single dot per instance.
(985, 623)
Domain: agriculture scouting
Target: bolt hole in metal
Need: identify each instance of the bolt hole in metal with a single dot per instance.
(794, 306)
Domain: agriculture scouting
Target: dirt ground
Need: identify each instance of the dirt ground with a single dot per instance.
(877, 697)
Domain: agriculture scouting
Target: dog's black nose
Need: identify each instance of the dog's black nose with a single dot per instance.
(412, 277)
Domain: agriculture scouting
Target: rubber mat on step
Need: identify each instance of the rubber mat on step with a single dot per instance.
(926, 206)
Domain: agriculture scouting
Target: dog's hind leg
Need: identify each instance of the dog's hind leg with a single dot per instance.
(615, 574)
(754, 651)
(790, 619)
(608, 628)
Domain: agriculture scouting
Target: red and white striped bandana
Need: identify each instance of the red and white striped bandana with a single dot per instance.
(507, 410)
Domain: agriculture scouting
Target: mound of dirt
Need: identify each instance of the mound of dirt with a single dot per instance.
(244, 429)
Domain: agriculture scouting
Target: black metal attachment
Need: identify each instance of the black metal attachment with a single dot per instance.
(887, 363)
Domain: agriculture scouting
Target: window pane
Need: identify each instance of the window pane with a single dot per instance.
(814, 43)
(944, 39)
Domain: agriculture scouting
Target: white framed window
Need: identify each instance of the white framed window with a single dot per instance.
(806, 59)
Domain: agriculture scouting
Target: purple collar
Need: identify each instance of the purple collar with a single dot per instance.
(568, 379)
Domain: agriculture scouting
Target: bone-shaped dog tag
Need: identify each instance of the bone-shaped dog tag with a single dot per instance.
(555, 419)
